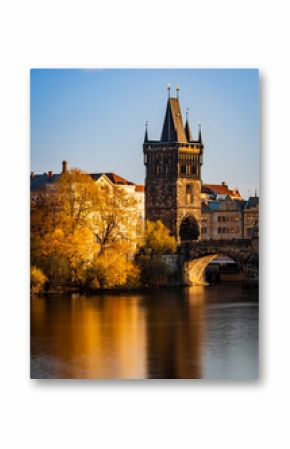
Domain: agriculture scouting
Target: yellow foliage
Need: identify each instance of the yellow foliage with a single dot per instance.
(79, 226)
(37, 280)
(113, 219)
(157, 238)
(113, 269)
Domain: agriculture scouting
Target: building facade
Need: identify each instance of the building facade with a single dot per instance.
(251, 216)
(229, 218)
(222, 219)
(173, 176)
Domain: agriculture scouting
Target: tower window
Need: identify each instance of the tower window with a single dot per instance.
(189, 194)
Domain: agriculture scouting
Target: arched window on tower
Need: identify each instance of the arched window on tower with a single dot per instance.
(189, 229)
(183, 169)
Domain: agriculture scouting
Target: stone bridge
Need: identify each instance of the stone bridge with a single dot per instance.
(195, 256)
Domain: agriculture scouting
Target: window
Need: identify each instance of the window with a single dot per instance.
(193, 170)
(183, 169)
(189, 194)
(203, 230)
(219, 230)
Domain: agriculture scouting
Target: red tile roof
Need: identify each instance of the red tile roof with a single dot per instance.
(139, 188)
(221, 189)
(116, 179)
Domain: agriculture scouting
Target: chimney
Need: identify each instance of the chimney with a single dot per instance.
(64, 166)
(50, 174)
(224, 184)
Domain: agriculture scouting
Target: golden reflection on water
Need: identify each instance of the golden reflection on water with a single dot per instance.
(161, 334)
(114, 336)
(91, 337)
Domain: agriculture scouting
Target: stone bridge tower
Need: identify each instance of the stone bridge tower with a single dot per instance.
(173, 175)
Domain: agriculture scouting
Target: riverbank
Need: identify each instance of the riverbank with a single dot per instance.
(245, 284)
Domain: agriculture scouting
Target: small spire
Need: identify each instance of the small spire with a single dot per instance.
(187, 127)
(146, 131)
(199, 133)
(177, 90)
(168, 89)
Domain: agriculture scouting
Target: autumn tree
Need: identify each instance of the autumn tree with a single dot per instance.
(78, 226)
(114, 219)
(157, 239)
(157, 242)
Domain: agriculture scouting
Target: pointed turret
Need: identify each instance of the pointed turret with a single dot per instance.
(146, 133)
(187, 128)
(173, 130)
(199, 133)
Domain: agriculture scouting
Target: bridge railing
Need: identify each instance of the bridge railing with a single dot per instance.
(217, 243)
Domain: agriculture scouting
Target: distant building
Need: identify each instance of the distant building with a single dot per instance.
(251, 215)
(135, 191)
(222, 219)
(229, 218)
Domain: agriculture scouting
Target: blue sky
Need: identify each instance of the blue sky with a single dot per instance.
(96, 118)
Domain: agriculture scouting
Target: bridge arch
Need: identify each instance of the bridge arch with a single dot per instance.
(189, 229)
(194, 271)
(199, 254)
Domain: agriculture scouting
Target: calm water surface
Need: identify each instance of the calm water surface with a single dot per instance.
(196, 332)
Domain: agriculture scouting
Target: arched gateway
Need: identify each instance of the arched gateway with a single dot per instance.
(189, 229)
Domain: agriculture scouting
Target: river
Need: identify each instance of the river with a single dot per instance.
(191, 333)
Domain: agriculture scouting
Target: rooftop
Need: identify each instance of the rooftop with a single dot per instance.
(220, 189)
(253, 201)
(38, 181)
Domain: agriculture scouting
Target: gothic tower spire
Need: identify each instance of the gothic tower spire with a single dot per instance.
(187, 128)
(173, 130)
